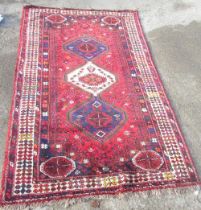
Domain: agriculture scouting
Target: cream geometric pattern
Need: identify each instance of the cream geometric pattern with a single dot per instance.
(91, 78)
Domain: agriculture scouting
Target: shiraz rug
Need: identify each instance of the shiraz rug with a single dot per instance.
(89, 115)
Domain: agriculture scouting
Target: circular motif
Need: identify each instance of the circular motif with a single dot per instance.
(111, 20)
(58, 167)
(148, 160)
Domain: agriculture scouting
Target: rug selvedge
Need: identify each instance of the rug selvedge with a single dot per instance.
(90, 115)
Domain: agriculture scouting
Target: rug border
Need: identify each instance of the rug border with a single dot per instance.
(90, 195)
(10, 117)
(167, 97)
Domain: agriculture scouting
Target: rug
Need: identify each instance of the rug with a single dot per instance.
(89, 115)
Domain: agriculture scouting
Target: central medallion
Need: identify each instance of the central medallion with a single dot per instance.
(86, 47)
(97, 118)
(91, 78)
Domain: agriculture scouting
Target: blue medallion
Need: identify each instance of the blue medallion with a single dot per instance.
(97, 118)
(86, 47)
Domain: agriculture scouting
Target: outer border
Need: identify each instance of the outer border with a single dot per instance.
(139, 25)
(7, 146)
(91, 194)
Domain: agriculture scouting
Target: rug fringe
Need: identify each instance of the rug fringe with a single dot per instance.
(195, 190)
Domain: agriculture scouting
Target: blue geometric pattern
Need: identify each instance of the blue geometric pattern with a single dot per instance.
(86, 47)
(97, 118)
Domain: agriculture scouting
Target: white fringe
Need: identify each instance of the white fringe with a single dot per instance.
(135, 196)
